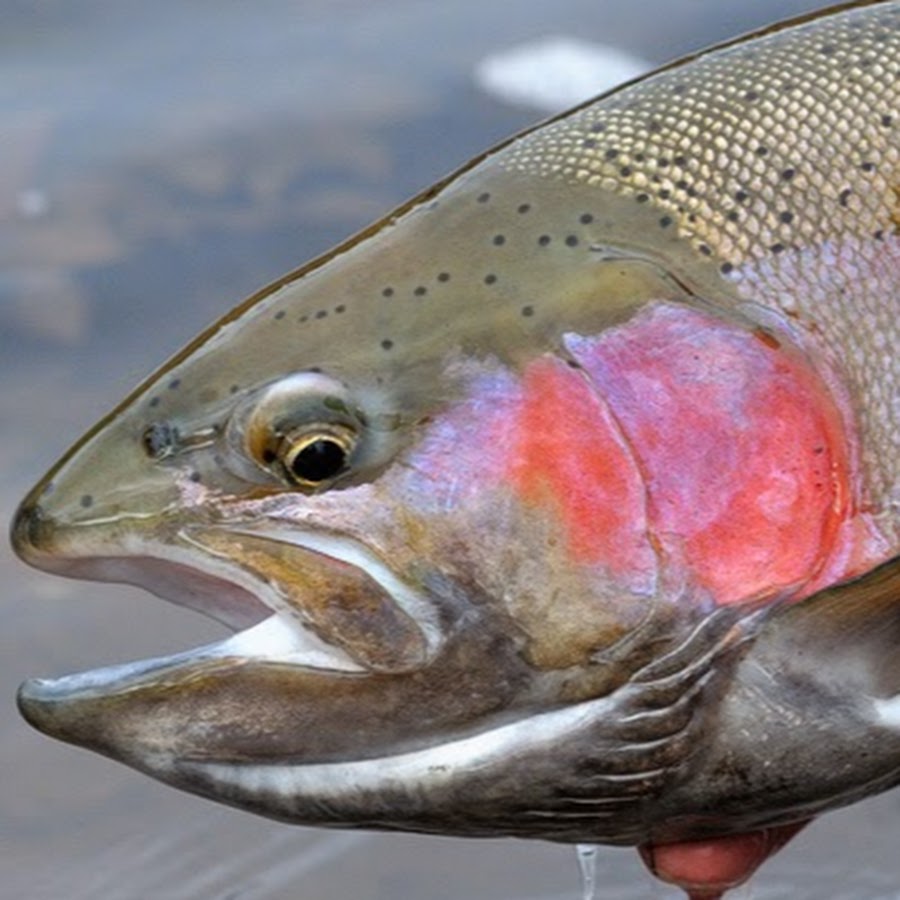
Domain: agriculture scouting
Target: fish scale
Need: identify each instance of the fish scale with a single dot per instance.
(780, 161)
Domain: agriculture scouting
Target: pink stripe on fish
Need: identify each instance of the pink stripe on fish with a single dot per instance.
(569, 457)
(741, 446)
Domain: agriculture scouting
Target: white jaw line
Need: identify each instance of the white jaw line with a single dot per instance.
(403, 774)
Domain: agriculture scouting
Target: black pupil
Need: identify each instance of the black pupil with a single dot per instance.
(319, 460)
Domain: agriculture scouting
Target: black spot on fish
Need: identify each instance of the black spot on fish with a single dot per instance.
(777, 248)
(420, 291)
(233, 389)
(642, 198)
(878, 235)
(87, 501)
(499, 240)
(483, 198)
(663, 162)
(751, 96)
(665, 221)
(571, 240)
(340, 308)
(196, 477)
(597, 127)
(844, 196)
(387, 344)
(625, 171)
(887, 121)
(490, 279)
(589, 143)
(868, 167)
(654, 126)
(523, 208)
(726, 268)
(741, 196)
(322, 313)
(585, 218)
(174, 384)
(664, 194)
(154, 401)
(443, 276)
(612, 153)
(280, 314)
(387, 292)
(733, 215)
(544, 239)
(680, 161)
(788, 174)
(705, 249)
(786, 217)
(527, 311)
(762, 150)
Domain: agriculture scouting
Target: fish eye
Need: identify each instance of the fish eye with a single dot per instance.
(316, 457)
(304, 430)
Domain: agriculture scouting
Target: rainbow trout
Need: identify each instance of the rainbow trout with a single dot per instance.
(561, 503)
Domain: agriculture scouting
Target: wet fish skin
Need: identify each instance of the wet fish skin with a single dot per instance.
(645, 636)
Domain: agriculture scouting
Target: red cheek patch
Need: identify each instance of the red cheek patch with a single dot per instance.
(687, 456)
(568, 455)
(739, 442)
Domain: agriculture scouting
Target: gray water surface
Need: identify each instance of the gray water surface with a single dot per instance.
(158, 161)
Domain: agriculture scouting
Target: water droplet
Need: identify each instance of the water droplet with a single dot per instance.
(587, 866)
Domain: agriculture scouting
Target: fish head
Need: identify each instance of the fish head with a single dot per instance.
(367, 473)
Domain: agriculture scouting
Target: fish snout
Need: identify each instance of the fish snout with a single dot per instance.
(33, 534)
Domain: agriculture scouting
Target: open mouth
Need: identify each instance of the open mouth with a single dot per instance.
(315, 602)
